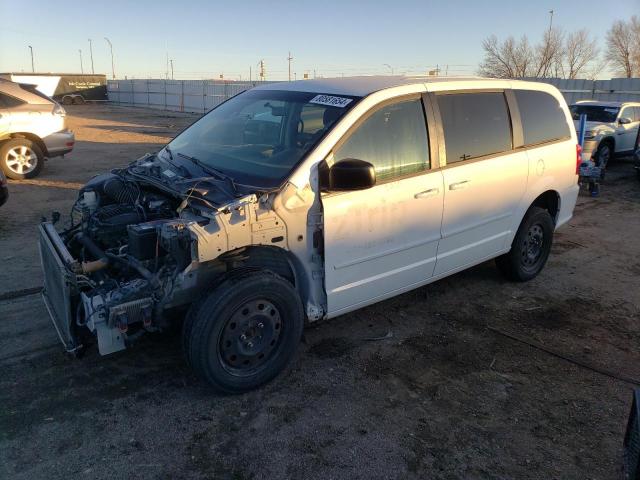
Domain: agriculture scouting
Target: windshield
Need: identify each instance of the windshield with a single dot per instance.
(259, 136)
(595, 113)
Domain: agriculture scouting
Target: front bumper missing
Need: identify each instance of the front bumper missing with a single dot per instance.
(59, 284)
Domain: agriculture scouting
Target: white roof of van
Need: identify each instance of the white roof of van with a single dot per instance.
(364, 85)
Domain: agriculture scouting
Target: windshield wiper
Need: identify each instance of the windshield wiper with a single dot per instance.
(212, 171)
(180, 168)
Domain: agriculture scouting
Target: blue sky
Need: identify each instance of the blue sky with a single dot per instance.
(207, 38)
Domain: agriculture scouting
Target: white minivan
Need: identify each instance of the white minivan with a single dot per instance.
(300, 201)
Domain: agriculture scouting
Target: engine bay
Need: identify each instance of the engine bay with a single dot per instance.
(124, 266)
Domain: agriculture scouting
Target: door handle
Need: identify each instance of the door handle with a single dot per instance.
(432, 192)
(459, 185)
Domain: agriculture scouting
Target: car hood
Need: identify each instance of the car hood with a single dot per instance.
(599, 127)
(186, 179)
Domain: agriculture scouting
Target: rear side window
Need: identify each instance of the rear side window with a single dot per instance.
(543, 119)
(475, 124)
(393, 139)
(7, 101)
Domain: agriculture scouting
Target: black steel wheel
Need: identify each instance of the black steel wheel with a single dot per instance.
(530, 248)
(244, 332)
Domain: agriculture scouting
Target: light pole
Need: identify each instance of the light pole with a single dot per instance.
(91, 55)
(113, 68)
(33, 68)
(289, 58)
(81, 69)
(171, 68)
(389, 67)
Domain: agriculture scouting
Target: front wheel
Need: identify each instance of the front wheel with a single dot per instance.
(21, 158)
(603, 156)
(244, 332)
(530, 248)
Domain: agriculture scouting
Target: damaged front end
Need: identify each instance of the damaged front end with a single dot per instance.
(139, 249)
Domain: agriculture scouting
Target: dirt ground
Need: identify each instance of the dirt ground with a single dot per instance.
(441, 396)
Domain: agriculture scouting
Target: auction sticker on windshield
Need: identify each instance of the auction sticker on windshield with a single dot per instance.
(331, 101)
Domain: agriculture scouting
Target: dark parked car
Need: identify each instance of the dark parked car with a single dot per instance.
(4, 191)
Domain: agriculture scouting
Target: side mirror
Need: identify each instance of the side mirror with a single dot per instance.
(351, 174)
(624, 121)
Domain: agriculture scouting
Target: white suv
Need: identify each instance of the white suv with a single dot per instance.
(306, 200)
(611, 129)
(32, 128)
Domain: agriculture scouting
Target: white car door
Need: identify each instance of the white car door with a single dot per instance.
(484, 178)
(384, 240)
(626, 134)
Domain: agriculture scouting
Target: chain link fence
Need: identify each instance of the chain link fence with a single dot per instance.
(614, 90)
(195, 96)
(200, 96)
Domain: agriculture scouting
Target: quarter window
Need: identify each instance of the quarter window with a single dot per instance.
(393, 139)
(543, 119)
(475, 124)
(7, 101)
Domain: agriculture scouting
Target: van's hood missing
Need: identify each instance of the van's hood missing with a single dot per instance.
(186, 179)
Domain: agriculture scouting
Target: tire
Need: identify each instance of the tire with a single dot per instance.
(530, 248)
(67, 100)
(21, 158)
(79, 100)
(603, 156)
(245, 332)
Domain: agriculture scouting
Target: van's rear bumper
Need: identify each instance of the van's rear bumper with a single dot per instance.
(568, 201)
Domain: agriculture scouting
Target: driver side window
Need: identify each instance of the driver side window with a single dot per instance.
(393, 139)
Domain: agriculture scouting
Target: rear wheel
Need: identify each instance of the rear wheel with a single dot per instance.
(530, 248)
(67, 100)
(244, 332)
(78, 100)
(21, 158)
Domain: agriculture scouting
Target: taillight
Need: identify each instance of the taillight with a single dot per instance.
(578, 158)
(59, 110)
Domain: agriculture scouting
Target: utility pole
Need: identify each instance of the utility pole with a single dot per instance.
(289, 58)
(550, 21)
(81, 69)
(33, 68)
(113, 68)
(171, 61)
(250, 74)
(91, 55)
(263, 72)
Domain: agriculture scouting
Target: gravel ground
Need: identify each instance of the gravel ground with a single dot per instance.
(442, 395)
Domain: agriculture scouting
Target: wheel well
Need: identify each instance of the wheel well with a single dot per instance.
(611, 141)
(550, 201)
(273, 259)
(34, 138)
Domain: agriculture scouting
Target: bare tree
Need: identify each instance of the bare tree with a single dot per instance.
(635, 50)
(579, 50)
(620, 47)
(549, 52)
(509, 59)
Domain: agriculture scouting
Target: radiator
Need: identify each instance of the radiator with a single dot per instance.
(59, 283)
